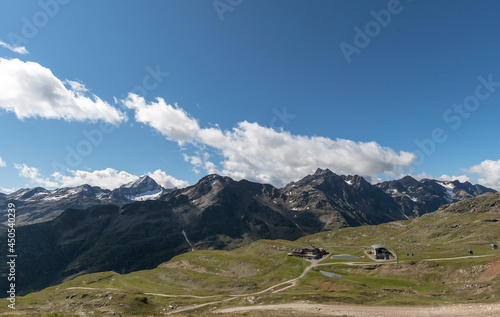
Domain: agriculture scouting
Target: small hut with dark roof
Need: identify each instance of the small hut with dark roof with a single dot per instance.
(310, 252)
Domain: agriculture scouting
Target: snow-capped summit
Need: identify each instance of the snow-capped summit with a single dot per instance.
(142, 182)
(143, 188)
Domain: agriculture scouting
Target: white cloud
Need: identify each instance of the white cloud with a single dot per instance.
(489, 173)
(31, 90)
(33, 174)
(262, 154)
(210, 168)
(7, 190)
(194, 160)
(461, 178)
(108, 178)
(16, 49)
(167, 181)
(171, 121)
(2, 163)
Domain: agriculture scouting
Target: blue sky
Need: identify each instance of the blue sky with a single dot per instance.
(263, 90)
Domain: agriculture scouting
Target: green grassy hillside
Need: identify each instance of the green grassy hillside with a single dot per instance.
(440, 272)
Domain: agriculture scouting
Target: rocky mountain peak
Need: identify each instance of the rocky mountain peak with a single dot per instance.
(207, 184)
(215, 178)
(356, 180)
(142, 182)
(143, 188)
(408, 181)
(320, 171)
(30, 192)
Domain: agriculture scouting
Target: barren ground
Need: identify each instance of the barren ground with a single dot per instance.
(306, 309)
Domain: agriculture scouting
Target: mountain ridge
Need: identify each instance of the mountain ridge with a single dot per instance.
(215, 213)
(412, 198)
(39, 204)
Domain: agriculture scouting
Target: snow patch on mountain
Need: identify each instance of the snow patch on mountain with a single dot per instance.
(39, 195)
(345, 199)
(55, 197)
(187, 240)
(412, 198)
(149, 195)
(449, 187)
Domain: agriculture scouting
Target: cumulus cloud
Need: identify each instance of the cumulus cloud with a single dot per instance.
(16, 49)
(2, 163)
(33, 174)
(461, 178)
(262, 154)
(489, 173)
(193, 159)
(108, 178)
(167, 181)
(171, 121)
(7, 190)
(32, 91)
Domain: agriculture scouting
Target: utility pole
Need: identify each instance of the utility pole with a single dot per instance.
(397, 259)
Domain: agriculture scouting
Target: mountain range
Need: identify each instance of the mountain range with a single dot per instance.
(39, 204)
(438, 273)
(336, 201)
(122, 235)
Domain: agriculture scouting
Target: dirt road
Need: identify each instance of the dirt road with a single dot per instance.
(305, 309)
(338, 310)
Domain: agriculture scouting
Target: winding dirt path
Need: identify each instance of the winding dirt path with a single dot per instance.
(337, 310)
(292, 283)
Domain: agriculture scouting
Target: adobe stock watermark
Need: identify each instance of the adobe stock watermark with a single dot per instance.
(281, 116)
(454, 116)
(363, 37)
(11, 255)
(31, 26)
(95, 137)
(224, 6)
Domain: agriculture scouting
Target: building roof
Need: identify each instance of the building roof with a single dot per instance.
(378, 246)
(309, 247)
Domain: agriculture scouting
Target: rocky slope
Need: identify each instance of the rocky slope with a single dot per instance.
(416, 198)
(39, 204)
(216, 213)
(487, 203)
(325, 201)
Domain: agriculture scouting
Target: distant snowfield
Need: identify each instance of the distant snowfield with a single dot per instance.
(149, 195)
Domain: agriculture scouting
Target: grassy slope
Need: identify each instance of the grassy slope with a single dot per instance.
(264, 263)
(202, 273)
(415, 280)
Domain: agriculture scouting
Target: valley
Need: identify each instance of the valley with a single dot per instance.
(250, 278)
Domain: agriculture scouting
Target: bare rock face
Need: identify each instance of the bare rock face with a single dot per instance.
(427, 195)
